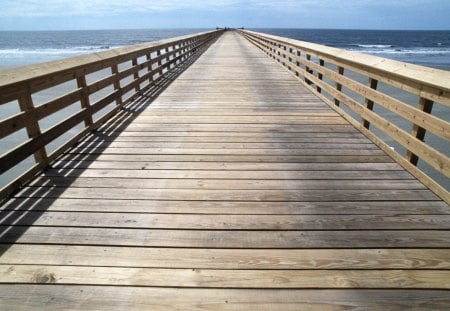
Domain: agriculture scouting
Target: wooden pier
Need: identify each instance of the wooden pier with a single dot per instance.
(226, 184)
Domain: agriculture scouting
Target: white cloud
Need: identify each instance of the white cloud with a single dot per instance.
(97, 7)
(28, 8)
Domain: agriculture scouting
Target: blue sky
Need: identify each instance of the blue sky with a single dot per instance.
(117, 14)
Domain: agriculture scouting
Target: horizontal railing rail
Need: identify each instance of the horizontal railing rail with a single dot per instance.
(389, 101)
(87, 90)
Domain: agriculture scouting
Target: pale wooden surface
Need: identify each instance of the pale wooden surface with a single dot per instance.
(236, 189)
(307, 63)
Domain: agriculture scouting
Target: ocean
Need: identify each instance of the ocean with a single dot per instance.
(428, 48)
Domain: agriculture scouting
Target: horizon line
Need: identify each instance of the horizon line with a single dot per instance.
(195, 28)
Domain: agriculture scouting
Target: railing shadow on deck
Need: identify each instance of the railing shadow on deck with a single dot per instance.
(18, 214)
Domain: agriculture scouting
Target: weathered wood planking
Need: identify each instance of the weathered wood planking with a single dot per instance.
(313, 65)
(203, 278)
(198, 299)
(149, 73)
(202, 258)
(235, 189)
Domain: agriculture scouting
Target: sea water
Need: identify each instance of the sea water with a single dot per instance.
(428, 48)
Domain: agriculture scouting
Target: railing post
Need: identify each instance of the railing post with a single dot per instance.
(33, 128)
(149, 67)
(283, 56)
(84, 99)
(168, 58)
(340, 71)
(177, 53)
(186, 50)
(319, 75)
(308, 58)
(159, 64)
(369, 103)
(134, 63)
(299, 53)
(291, 51)
(115, 72)
(181, 51)
(276, 52)
(272, 52)
(419, 132)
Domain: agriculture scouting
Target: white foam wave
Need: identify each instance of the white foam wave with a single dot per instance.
(406, 51)
(51, 52)
(376, 46)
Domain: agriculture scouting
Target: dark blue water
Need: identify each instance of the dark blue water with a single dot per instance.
(430, 48)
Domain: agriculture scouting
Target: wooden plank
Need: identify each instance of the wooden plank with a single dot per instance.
(234, 195)
(234, 166)
(230, 174)
(239, 120)
(18, 121)
(227, 184)
(419, 279)
(418, 131)
(274, 112)
(232, 158)
(33, 130)
(229, 222)
(62, 297)
(232, 128)
(179, 258)
(226, 239)
(236, 135)
(224, 151)
(227, 139)
(214, 145)
(228, 207)
(37, 143)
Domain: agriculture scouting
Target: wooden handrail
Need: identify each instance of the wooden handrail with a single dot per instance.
(147, 64)
(323, 70)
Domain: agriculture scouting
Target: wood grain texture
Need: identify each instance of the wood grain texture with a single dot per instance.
(59, 297)
(307, 65)
(234, 189)
(207, 258)
(108, 205)
(419, 279)
(277, 239)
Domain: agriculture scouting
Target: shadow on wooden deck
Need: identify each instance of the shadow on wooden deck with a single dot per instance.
(19, 213)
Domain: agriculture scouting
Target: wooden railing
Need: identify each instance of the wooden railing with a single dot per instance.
(117, 77)
(379, 97)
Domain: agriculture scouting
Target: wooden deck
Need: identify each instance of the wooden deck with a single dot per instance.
(234, 189)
